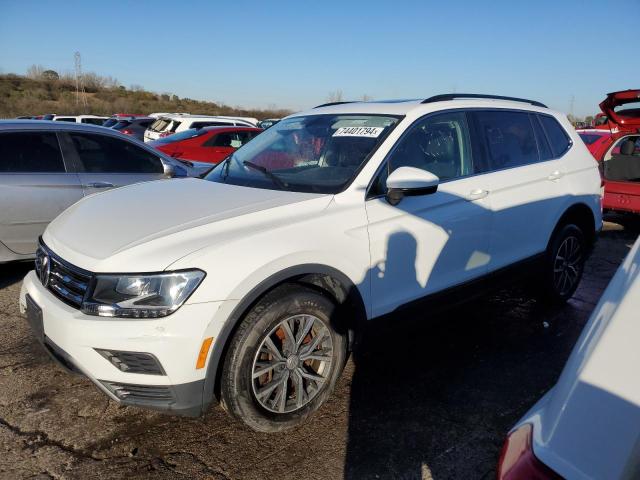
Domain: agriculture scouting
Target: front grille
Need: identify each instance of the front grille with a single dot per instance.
(146, 394)
(133, 362)
(67, 282)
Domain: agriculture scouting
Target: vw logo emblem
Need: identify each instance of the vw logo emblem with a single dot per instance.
(45, 270)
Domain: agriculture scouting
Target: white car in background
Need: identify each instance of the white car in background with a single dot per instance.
(253, 293)
(88, 119)
(588, 425)
(178, 122)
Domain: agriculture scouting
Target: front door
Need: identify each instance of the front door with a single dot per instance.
(35, 187)
(427, 243)
(108, 162)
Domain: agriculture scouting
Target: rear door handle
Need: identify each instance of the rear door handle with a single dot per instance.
(556, 175)
(99, 185)
(477, 194)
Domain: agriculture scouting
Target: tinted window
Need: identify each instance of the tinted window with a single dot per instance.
(555, 133)
(30, 152)
(209, 124)
(145, 123)
(589, 138)
(223, 140)
(543, 144)
(65, 119)
(93, 121)
(508, 137)
(109, 122)
(184, 135)
(439, 144)
(121, 124)
(102, 154)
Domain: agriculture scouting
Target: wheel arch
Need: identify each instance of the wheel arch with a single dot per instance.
(581, 215)
(327, 280)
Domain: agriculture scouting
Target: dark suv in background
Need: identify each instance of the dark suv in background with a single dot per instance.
(134, 126)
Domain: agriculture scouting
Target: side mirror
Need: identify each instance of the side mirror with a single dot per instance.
(169, 170)
(410, 181)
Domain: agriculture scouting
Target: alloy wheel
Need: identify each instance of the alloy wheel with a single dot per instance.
(567, 265)
(292, 363)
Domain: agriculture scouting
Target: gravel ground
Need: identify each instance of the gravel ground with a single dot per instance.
(422, 399)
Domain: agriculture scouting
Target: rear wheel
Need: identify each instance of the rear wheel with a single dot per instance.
(564, 264)
(284, 360)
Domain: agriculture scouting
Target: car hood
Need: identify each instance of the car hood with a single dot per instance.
(623, 118)
(147, 226)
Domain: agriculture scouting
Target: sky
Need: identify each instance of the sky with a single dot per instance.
(293, 54)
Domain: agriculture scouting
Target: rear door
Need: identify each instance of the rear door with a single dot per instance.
(107, 162)
(223, 144)
(526, 180)
(36, 185)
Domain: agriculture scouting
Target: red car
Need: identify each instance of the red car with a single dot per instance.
(618, 150)
(208, 144)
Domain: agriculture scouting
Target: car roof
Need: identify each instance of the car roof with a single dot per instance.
(439, 102)
(52, 125)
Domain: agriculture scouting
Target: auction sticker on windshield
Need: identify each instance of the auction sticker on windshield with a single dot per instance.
(372, 132)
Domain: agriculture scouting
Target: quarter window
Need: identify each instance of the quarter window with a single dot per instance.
(30, 152)
(508, 137)
(557, 136)
(543, 145)
(103, 154)
(439, 144)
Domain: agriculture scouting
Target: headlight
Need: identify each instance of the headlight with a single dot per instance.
(140, 296)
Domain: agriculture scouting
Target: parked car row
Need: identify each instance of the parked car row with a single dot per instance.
(328, 219)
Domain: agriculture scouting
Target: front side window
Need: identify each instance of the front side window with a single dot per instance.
(30, 152)
(508, 138)
(104, 154)
(315, 153)
(558, 138)
(439, 144)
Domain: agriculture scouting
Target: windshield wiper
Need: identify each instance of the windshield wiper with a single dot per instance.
(266, 173)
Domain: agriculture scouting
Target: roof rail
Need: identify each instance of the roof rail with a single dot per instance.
(453, 96)
(331, 104)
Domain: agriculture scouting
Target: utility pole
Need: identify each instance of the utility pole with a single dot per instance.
(572, 102)
(81, 96)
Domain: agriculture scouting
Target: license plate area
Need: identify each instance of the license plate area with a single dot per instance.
(34, 317)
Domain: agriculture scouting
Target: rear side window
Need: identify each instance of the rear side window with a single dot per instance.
(65, 119)
(30, 152)
(103, 154)
(558, 138)
(208, 124)
(508, 138)
(93, 121)
(543, 144)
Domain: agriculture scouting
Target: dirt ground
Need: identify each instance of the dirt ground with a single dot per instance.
(423, 398)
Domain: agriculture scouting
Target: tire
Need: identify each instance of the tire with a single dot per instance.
(563, 264)
(262, 348)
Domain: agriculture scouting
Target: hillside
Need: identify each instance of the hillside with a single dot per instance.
(20, 95)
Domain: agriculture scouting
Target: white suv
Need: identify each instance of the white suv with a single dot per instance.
(179, 122)
(253, 295)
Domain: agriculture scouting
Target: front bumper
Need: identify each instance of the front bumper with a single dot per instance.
(72, 338)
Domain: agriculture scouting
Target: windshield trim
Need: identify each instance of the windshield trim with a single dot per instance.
(356, 172)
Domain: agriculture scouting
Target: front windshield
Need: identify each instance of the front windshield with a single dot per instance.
(316, 153)
(185, 135)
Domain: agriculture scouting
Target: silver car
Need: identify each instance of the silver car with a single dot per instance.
(45, 167)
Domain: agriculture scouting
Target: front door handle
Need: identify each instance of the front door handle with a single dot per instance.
(556, 175)
(99, 185)
(477, 194)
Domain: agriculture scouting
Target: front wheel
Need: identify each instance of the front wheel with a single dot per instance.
(284, 360)
(564, 264)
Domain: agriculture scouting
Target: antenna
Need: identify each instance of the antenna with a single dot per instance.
(81, 95)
